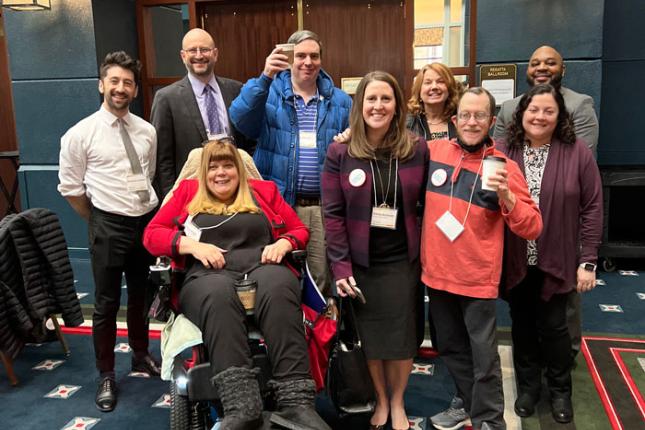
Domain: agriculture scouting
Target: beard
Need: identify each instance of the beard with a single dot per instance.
(191, 68)
(117, 106)
(555, 82)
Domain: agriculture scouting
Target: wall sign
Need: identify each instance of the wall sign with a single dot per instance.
(349, 85)
(499, 79)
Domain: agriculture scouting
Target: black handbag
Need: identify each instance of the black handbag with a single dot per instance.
(349, 384)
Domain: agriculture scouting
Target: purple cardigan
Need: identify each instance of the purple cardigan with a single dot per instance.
(348, 209)
(572, 210)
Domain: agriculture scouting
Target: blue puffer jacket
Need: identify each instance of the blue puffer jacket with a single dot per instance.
(265, 111)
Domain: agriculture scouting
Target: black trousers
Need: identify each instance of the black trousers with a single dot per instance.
(540, 337)
(116, 248)
(467, 344)
(211, 303)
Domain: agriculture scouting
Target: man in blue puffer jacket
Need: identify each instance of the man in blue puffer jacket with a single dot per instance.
(294, 111)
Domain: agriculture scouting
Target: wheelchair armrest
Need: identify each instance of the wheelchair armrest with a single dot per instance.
(161, 271)
(299, 256)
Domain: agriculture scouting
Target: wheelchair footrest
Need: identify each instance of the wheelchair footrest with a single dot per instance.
(199, 383)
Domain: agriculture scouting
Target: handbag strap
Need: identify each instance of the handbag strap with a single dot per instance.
(347, 316)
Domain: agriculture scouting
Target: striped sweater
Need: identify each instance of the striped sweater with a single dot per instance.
(471, 265)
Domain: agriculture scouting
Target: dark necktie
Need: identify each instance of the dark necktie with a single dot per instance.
(212, 112)
(144, 195)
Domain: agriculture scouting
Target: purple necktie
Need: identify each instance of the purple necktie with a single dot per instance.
(212, 112)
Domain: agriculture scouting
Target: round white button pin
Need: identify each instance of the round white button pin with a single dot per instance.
(439, 177)
(357, 177)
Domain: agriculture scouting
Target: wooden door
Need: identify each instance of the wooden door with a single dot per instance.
(246, 32)
(8, 141)
(360, 36)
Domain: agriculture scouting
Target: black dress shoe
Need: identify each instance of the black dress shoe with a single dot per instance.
(524, 405)
(147, 365)
(561, 409)
(106, 395)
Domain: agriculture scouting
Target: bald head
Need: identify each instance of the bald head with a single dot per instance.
(199, 54)
(545, 67)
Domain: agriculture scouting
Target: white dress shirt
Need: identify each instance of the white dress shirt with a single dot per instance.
(198, 90)
(93, 161)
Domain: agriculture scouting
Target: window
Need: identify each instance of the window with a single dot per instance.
(442, 34)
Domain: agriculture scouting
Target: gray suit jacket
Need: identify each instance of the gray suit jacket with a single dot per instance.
(180, 128)
(580, 106)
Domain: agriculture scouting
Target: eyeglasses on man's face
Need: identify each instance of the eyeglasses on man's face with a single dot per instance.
(202, 50)
(479, 116)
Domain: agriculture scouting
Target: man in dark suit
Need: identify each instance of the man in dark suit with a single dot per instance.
(192, 110)
(546, 66)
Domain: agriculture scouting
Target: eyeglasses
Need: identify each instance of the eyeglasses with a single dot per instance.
(195, 51)
(479, 116)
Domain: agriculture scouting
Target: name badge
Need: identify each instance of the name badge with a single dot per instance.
(137, 182)
(384, 217)
(191, 230)
(307, 139)
(449, 226)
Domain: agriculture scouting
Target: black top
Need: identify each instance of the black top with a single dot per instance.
(243, 235)
(418, 125)
(388, 245)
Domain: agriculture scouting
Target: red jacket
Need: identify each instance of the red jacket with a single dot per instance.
(164, 232)
(471, 265)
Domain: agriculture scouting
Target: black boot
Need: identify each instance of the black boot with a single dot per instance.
(240, 395)
(296, 409)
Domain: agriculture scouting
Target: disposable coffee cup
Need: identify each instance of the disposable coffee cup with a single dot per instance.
(246, 289)
(287, 49)
(490, 166)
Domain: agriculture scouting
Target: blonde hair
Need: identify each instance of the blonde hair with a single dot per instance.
(415, 104)
(205, 201)
(397, 139)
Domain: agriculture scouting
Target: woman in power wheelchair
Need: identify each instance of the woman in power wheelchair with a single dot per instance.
(235, 227)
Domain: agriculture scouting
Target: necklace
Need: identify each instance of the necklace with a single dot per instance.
(436, 123)
(384, 191)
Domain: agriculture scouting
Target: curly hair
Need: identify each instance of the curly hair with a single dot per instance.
(415, 104)
(123, 60)
(564, 130)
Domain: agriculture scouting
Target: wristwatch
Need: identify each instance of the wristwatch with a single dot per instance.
(589, 267)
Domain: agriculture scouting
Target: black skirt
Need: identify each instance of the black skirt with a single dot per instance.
(387, 322)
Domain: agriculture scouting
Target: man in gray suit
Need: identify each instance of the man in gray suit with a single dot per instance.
(192, 110)
(547, 67)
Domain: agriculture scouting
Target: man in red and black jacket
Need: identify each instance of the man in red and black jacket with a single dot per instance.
(461, 252)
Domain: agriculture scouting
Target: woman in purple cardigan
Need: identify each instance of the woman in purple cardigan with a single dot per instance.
(372, 187)
(563, 179)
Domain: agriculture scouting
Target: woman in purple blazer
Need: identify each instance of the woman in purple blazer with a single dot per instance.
(538, 276)
(372, 188)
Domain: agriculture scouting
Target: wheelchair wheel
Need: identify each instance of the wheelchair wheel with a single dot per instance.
(179, 410)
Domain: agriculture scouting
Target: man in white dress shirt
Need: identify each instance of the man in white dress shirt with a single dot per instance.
(107, 162)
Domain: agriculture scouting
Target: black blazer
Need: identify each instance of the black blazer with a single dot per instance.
(180, 128)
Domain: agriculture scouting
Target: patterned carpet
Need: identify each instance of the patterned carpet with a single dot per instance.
(57, 392)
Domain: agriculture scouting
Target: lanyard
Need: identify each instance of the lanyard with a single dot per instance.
(472, 192)
(212, 226)
(396, 182)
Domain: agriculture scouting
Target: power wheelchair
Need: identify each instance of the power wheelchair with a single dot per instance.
(194, 401)
(193, 397)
